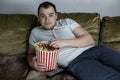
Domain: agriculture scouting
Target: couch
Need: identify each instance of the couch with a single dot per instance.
(14, 33)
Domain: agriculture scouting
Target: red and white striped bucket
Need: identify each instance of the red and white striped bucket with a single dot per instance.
(49, 58)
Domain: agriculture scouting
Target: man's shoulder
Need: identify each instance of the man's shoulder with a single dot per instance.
(35, 29)
(65, 21)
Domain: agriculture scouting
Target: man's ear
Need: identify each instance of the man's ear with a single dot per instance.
(38, 18)
(56, 15)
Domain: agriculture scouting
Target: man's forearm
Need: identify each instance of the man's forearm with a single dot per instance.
(30, 60)
(81, 41)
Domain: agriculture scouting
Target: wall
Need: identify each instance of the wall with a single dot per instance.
(104, 7)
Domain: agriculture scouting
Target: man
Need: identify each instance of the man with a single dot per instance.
(77, 51)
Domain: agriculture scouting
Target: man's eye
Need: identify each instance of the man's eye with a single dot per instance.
(51, 15)
(42, 16)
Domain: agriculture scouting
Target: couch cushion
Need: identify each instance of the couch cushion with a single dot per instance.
(110, 32)
(35, 75)
(14, 30)
(90, 21)
(13, 67)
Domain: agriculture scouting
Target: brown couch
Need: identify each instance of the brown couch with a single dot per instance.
(14, 33)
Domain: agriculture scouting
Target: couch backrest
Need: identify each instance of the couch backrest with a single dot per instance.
(14, 31)
(110, 32)
(90, 21)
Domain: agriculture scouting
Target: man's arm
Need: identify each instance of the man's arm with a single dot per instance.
(83, 39)
(31, 55)
(32, 60)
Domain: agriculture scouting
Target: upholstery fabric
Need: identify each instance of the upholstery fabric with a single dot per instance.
(35, 75)
(14, 30)
(110, 32)
(90, 21)
(13, 67)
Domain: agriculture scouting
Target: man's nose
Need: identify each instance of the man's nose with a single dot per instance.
(46, 18)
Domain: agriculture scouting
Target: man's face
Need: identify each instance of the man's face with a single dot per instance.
(47, 17)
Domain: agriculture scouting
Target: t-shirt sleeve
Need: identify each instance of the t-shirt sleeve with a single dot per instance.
(73, 24)
(32, 38)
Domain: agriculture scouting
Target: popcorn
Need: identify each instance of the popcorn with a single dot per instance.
(46, 55)
(44, 46)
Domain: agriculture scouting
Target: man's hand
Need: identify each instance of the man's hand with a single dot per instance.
(38, 66)
(58, 43)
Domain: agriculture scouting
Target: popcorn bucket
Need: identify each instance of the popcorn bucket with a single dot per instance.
(47, 57)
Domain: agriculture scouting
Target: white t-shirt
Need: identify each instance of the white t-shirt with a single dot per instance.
(63, 29)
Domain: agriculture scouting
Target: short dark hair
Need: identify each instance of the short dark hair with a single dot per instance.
(46, 5)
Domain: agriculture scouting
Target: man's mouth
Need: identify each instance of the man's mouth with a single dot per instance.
(47, 23)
